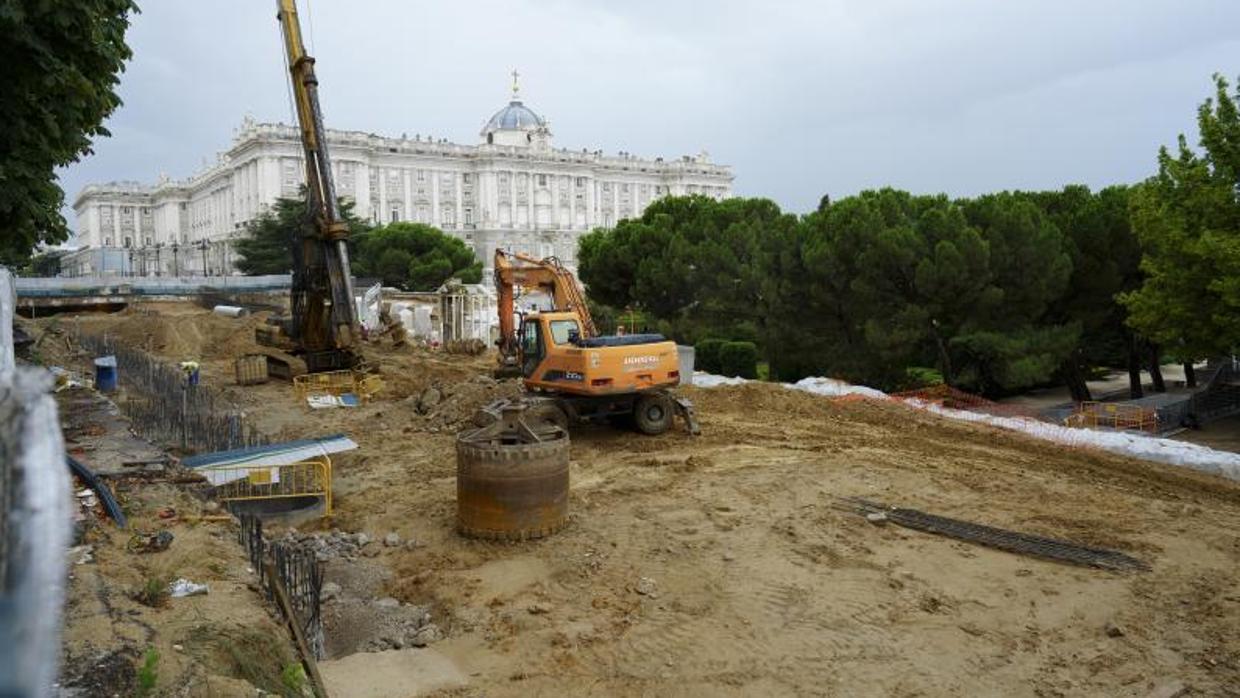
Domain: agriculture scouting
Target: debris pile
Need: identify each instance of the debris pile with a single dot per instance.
(449, 406)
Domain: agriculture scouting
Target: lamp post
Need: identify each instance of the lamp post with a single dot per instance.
(176, 263)
(202, 245)
(159, 264)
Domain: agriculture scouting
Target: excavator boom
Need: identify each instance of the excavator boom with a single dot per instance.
(516, 270)
(324, 321)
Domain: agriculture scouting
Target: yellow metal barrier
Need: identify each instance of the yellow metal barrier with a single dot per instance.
(309, 478)
(1111, 415)
(363, 385)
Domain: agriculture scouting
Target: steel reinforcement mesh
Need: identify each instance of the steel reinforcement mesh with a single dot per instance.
(1003, 539)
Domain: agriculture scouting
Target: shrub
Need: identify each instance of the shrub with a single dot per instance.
(148, 673)
(739, 359)
(293, 676)
(154, 591)
(921, 377)
(707, 355)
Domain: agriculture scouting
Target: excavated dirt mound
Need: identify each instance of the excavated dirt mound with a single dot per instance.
(183, 331)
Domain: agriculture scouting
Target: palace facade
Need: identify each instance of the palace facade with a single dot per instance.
(512, 190)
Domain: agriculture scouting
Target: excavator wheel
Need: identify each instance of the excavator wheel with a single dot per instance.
(653, 413)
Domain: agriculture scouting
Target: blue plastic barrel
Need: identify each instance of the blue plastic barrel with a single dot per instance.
(105, 374)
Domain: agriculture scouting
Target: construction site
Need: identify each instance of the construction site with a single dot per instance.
(315, 485)
(733, 562)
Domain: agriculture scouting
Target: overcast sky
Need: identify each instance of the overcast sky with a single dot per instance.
(801, 98)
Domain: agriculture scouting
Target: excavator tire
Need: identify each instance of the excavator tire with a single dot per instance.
(511, 491)
(653, 413)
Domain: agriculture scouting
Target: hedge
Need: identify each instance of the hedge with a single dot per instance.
(739, 359)
(706, 355)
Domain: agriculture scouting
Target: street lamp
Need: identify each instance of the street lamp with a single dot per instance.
(176, 263)
(202, 245)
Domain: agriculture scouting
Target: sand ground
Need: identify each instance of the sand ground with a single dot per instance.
(722, 564)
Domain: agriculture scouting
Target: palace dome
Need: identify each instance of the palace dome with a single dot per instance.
(514, 116)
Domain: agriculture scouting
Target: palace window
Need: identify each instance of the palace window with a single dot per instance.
(469, 216)
(465, 178)
(581, 182)
(542, 180)
(395, 215)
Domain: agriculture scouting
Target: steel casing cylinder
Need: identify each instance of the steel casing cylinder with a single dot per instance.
(511, 491)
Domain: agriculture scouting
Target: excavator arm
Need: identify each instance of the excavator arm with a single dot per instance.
(324, 321)
(516, 270)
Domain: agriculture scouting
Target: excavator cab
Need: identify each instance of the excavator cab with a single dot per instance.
(533, 350)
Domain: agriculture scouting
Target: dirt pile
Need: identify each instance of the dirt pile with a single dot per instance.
(452, 405)
(181, 332)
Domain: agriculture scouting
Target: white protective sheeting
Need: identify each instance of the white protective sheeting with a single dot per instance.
(8, 304)
(230, 311)
(1202, 458)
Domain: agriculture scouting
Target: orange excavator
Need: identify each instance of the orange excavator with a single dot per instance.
(570, 372)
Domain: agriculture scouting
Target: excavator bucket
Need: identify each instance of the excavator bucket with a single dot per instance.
(685, 409)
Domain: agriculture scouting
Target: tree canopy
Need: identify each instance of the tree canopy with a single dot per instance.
(873, 286)
(264, 247)
(414, 257)
(1187, 218)
(61, 66)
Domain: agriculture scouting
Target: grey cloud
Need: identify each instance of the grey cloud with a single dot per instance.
(802, 98)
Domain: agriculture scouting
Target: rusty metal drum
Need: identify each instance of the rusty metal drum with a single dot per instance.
(512, 479)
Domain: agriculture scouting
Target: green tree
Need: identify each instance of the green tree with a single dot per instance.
(1187, 218)
(697, 265)
(61, 65)
(415, 257)
(871, 286)
(1105, 263)
(1016, 341)
(264, 247)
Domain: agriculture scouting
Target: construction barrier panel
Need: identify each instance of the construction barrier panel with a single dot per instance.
(1110, 415)
(308, 478)
(337, 383)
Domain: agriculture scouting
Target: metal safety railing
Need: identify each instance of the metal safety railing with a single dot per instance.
(363, 385)
(309, 478)
(1110, 415)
